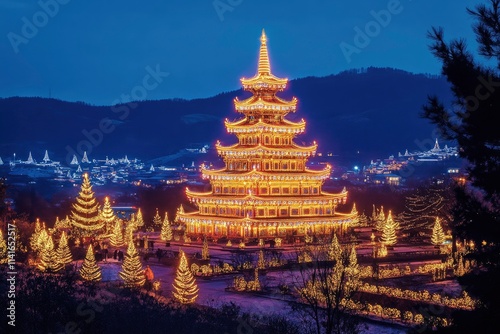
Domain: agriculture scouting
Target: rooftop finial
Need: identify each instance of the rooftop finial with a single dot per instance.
(264, 66)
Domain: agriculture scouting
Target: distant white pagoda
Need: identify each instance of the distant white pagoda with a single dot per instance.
(79, 169)
(126, 160)
(192, 164)
(30, 159)
(69, 175)
(46, 158)
(406, 153)
(436, 146)
(152, 169)
(74, 161)
(85, 159)
(107, 160)
(1, 161)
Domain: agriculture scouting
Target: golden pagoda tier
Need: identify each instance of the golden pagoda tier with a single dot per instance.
(265, 189)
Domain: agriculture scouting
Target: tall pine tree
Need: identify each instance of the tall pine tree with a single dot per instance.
(389, 237)
(108, 216)
(63, 252)
(90, 271)
(132, 272)
(185, 288)
(471, 122)
(85, 218)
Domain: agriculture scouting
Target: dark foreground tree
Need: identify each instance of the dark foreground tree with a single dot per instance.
(471, 122)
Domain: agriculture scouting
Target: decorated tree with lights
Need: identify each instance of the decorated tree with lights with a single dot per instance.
(157, 223)
(139, 221)
(35, 236)
(166, 230)
(39, 243)
(380, 221)
(132, 272)
(334, 250)
(185, 288)
(108, 215)
(205, 255)
(423, 205)
(389, 237)
(437, 237)
(261, 261)
(48, 261)
(85, 217)
(116, 238)
(326, 290)
(63, 252)
(3, 249)
(90, 271)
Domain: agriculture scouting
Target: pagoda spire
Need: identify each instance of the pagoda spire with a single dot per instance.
(1, 161)
(30, 159)
(264, 65)
(46, 158)
(85, 159)
(74, 161)
(436, 146)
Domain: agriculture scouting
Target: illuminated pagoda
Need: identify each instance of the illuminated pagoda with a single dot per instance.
(265, 189)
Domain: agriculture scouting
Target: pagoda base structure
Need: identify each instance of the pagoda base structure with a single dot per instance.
(265, 190)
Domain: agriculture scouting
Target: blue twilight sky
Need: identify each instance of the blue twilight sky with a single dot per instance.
(95, 51)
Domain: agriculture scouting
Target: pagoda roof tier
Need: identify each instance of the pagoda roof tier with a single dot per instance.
(275, 105)
(337, 218)
(240, 151)
(308, 174)
(210, 198)
(284, 126)
(264, 79)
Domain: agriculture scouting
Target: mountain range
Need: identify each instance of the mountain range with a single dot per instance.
(369, 113)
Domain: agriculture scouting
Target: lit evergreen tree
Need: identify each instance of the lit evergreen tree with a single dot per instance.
(379, 223)
(41, 241)
(3, 249)
(205, 255)
(108, 216)
(166, 230)
(90, 271)
(63, 252)
(116, 238)
(334, 250)
(185, 288)
(389, 237)
(157, 221)
(85, 218)
(437, 237)
(139, 221)
(35, 235)
(132, 272)
(48, 257)
(261, 261)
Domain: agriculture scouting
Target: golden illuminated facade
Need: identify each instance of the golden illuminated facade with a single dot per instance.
(265, 189)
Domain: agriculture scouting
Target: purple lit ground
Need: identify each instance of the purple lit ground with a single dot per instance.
(213, 292)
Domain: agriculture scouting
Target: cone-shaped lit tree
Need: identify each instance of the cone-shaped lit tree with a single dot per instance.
(63, 252)
(48, 257)
(85, 218)
(437, 237)
(380, 222)
(108, 216)
(166, 230)
(389, 237)
(90, 271)
(261, 262)
(185, 288)
(41, 241)
(205, 255)
(132, 272)
(35, 235)
(139, 221)
(3, 249)
(116, 238)
(157, 221)
(334, 251)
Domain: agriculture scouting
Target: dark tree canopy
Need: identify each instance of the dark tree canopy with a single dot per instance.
(471, 122)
